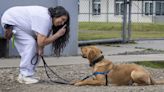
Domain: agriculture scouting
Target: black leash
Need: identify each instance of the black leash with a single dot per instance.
(106, 78)
(64, 81)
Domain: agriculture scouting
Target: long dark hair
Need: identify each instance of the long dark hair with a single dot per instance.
(60, 43)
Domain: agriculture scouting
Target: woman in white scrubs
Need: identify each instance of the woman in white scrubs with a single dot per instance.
(31, 27)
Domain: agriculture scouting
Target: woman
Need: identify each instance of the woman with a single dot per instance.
(31, 27)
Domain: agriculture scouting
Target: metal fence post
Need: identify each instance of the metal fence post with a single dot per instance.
(124, 22)
(129, 20)
(107, 11)
(89, 10)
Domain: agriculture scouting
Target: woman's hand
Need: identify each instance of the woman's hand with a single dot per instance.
(61, 31)
(40, 51)
(8, 34)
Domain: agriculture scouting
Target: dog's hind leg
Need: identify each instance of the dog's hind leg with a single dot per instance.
(141, 78)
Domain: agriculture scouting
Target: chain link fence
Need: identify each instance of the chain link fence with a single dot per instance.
(147, 19)
(99, 18)
(103, 19)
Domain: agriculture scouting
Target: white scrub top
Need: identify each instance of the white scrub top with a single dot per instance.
(31, 19)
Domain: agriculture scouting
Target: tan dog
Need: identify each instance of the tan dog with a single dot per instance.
(107, 72)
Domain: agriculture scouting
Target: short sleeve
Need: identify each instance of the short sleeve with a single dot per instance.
(40, 25)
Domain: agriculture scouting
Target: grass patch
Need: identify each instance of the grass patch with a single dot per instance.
(93, 35)
(147, 27)
(100, 26)
(118, 26)
(103, 30)
(152, 64)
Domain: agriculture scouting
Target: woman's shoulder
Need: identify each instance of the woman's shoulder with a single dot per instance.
(39, 11)
(29, 8)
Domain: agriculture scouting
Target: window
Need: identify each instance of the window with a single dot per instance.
(96, 7)
(148, 8)
(159, 8)
(119, 7)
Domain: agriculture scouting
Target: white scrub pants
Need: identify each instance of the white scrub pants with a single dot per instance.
(27, 48)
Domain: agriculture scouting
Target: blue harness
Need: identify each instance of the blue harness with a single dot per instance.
(103, 73)
(97, 73)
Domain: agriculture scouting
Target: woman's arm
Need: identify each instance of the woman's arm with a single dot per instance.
(43, 40)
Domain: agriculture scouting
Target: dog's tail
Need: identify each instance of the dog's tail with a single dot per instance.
(156, 82)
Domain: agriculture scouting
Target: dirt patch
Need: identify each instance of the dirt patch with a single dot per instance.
(8, 81)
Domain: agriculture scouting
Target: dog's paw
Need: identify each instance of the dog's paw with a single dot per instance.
(72, 82)
(78, 83)
(75, 81)
(134, 84)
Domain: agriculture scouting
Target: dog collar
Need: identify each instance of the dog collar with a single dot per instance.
(96, 60)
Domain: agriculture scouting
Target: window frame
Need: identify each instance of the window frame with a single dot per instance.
(148, 9)
(119, 7)
(161, 8)
(96, 11)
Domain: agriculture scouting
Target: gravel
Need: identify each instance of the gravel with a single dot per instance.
(8, 81)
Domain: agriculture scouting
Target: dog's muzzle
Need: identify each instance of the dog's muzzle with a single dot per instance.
(83, 56)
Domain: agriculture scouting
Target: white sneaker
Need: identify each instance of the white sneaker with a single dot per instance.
(27, 79)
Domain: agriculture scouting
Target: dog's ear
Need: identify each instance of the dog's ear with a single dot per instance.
(84, 52)
(91, 54)
(97, 49)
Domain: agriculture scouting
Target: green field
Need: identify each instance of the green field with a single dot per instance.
(101, 30)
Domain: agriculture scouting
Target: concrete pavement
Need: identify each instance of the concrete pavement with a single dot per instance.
(79, 60)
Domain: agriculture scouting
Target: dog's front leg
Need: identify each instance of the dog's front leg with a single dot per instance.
(93, 82)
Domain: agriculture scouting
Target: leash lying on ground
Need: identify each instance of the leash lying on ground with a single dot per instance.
(64, 81)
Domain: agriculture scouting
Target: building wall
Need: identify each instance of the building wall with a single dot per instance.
(159, 19)
(84, 10)
(137, 8)
(71, 6)
(111, 17)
